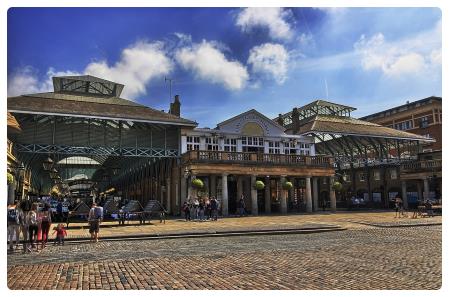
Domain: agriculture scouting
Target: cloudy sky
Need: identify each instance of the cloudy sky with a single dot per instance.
(224, 61)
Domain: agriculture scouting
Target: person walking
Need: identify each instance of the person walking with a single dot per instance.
(24, 209)
(45, 218)
(32, 221)
(201, 210)
(186, 210)
(213, 205)
(241, 205)
(94, 219)
(13, 226)
(59, 211)
(207, 208)
(398, 206)
(60, 234)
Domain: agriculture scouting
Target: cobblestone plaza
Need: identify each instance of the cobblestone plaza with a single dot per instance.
(374, 253)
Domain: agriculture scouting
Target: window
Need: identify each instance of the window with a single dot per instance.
(362, 177)
(230, 145)
(305, 149)
(393, 174)
(376, 175)
(274, 147)
(253, 141)
(290, 148)
(193, 143)
(212, 143)
(406, 125)
(423, 122)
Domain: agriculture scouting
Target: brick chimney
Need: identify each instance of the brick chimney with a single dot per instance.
(280, 119)
(295, 120)
(175, 106)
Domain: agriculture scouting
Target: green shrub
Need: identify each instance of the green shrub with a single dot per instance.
(259, 185)
(197, 183)
(287, 185)
(10, 178)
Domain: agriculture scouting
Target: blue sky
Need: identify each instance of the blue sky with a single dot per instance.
(225, 61)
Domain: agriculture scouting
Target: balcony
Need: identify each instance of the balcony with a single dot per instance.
(256, 159)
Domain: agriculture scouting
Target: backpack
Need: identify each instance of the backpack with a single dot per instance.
(98, 212)
(12, 216)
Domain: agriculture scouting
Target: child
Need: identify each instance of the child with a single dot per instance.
(60, 233)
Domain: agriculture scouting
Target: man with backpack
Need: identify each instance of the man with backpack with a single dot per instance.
(95, 217)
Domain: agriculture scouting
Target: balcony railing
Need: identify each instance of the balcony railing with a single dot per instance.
(421, 166)
(256, 158)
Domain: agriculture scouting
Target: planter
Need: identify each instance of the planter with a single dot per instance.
(197, 183)
(287, 185)
(259, 185)
(10, 178)
(337, 186)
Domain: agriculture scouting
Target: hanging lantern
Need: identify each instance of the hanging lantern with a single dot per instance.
(53, 173)
(48, 162)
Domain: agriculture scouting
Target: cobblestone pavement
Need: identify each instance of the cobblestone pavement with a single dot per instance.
(350, 220)
(365, 258)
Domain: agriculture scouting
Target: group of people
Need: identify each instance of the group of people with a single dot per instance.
(29, 220)
(201, 209)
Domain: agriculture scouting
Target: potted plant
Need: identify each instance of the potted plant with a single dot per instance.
(337, 186)
(197, 183)
(259, 185)
(10, 178)
(287, 185)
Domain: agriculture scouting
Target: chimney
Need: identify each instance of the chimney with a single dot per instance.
(280, 119)
(175, 106)
(295, 120)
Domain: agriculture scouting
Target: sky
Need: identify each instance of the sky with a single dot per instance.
(225, 61)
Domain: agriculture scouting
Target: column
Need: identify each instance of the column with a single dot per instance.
(11, 193)
(308, 194)
(426, 189)
(168, 195)
(316, 193)
(254, 195)
(267, 202)
(292, 191)
(404, 195)
(183, 184)
(284, 194)
(332, 195)
(239, 187)
(225, 194)
(420, 191)
(213, 189)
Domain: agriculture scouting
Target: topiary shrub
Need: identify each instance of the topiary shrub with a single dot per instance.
(287, 185)
(259, 185)
(337, 186)
(197, 183)
(10, 178)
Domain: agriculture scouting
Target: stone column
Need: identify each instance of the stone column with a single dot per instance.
(404, 195)
(267, 202)
(426, 189)
(239, 187)
(254, 195)
(420, 191)
(225, 194)
(183, 189)
(316, 193)
(332, 195)
(284, 194)
(11, 193)
(308, 194)
(169, 195)
(213, 189)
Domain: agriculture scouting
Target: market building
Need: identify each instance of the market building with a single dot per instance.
(84, 139)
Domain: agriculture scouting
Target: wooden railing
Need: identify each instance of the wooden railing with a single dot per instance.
(417, 166)
(256, 158)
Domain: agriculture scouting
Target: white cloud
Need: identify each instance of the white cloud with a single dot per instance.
(207, 62)
(26, 81)
(274, 19)
(138, 65)
(270, 60)
(409, 56)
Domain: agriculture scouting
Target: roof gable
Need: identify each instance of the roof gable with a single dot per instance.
(236, 123)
